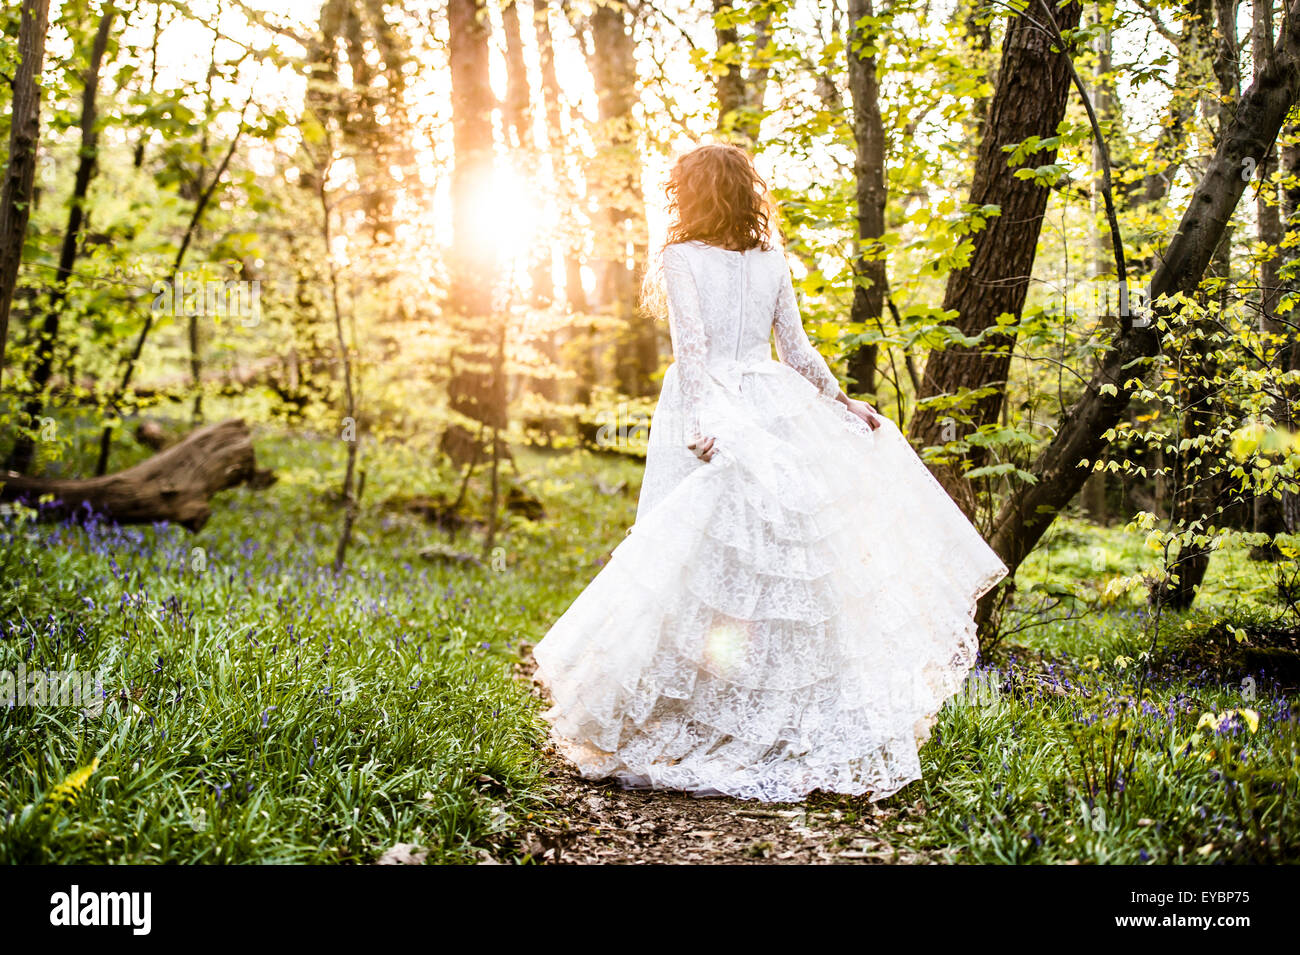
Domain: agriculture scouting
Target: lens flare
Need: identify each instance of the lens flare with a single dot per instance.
(726, 644)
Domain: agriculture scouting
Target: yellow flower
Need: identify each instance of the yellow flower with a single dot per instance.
(69, 789)
(1213, 721)
(1251, 718)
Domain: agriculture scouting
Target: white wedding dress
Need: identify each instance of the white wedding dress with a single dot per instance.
(788, 616)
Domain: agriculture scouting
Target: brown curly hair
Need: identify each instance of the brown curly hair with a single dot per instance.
(715, 195)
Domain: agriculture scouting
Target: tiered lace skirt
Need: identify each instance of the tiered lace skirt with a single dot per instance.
(785, 618)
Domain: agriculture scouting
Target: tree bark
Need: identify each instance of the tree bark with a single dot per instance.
(519, 120)
(1267, 202)
(871, 191)
(1195, 48)
(20, 457)
(1196, 487)
(740, 89)
(1289, 359)
(176, 485)
(1033, 87)
(477, 385)
(1268, 517)
(574, 293)
(520, 136)
(518, 124)
(1093, 497)
(616, 179)
(24, 139)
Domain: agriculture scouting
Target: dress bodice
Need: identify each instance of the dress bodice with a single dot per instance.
(723, 308)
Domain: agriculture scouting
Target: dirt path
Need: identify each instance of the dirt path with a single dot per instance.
(598, 823)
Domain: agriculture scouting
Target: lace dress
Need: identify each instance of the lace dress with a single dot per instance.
(788, 616)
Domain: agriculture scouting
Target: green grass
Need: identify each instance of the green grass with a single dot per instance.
(259, 708)
(1026, 779)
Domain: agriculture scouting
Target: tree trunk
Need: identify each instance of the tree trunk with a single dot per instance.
(574, 293)
(1268, 517)
(519, 102)
(518, 124)
(351, 431)
(730, 85)
(1195, 48)
(869, 173)
(1093, 497)
(1033, 86)
(1196, 489)
(1289, 359)
(137, 155)
(1103, 98)
(520, 136)
(570, 241)
(1032, 508)
(616, 179)
(20, 458)
(740, 89)
(477, 386)
(176, 485)
(24, 138)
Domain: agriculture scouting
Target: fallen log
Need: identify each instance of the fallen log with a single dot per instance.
(174, 485)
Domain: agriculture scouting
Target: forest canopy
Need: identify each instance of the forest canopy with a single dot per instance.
(1051, 240)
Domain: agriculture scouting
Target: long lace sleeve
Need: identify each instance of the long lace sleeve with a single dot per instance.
(793, 346)
(690, 343)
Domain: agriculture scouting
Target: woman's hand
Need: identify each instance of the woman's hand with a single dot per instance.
(702, 447)
(864, 411)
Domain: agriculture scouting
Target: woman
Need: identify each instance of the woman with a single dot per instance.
(795, 600)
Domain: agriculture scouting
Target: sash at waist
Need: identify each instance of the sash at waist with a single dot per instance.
(729, 372)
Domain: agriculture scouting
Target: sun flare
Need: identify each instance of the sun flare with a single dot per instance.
(508, 216)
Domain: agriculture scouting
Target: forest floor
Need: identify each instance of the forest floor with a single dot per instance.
(265, 709)
(600, 823)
